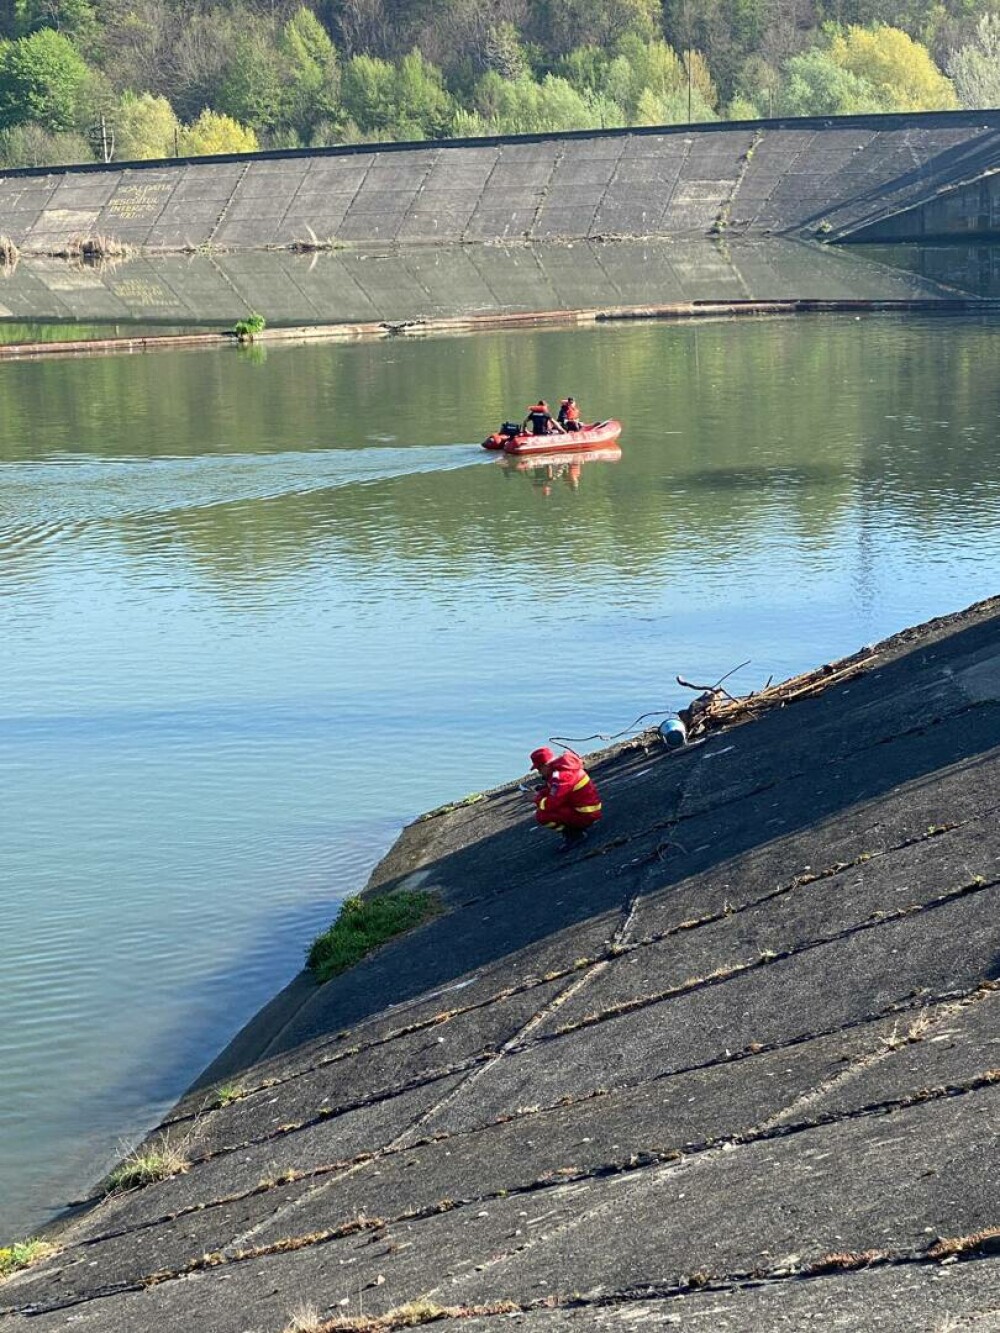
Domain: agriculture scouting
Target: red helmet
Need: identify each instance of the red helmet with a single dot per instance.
(541, 757)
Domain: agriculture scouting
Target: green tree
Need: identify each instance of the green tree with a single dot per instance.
(757, 84)
(42, 78)
(198, 58)
(975, 67)
(504, 51)
(313, 72)
(255, 82)
(423, 105)
(408, 99)
(900, 70)
(368, 92)
(145, 127)
(74, 18)
(526, 107)
(29, 145)
(213, 133)
(740, 107)
(562, 25)
(467, 125)
(645, 80)
(816, 85)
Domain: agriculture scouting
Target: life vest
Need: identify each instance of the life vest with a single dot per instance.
(570, 798)
(540, 419)
(568, 411)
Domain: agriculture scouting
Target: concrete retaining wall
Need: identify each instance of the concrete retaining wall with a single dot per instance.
(803, 177)
(972, 211)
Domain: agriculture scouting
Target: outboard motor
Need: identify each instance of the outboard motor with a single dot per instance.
(500, 437)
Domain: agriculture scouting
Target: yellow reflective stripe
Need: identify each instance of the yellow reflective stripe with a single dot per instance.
(587, 809)
(583, 782)
(541, 803)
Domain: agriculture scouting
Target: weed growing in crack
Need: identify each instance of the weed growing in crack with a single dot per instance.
(986, 1241)
(22, 1254)
(145, 1166)
(304, 1319)
(412, 1315)
(226, 1094)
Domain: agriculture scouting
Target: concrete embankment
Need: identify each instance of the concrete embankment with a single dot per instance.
(733, 1065)
(833, 178)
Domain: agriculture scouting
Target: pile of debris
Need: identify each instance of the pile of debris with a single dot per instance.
(715, 707)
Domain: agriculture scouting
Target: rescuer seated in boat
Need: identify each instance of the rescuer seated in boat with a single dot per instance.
(567, 800)
(540, 420)
(569, 415)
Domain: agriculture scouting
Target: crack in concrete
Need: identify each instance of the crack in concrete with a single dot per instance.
(405, 1139)
(795, 776)
(234, 195)
(927, 1019)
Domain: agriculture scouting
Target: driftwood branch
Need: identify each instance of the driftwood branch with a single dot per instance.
(715, 707)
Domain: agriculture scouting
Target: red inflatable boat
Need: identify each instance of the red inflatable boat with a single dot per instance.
(596, 436)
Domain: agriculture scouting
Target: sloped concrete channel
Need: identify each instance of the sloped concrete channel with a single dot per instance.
(833, 178)
(733, 1065)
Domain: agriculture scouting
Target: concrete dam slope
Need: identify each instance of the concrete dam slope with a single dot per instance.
(833, 178)
(733, 1065)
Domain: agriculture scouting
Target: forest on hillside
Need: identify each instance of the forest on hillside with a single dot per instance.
(84, 80)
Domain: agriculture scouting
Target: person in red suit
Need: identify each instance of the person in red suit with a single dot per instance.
(567, 800)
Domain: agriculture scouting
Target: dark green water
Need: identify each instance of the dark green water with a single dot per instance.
(257, 610)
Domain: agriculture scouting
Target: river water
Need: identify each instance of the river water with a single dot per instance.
(258, 610)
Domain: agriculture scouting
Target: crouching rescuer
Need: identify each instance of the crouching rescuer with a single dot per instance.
(568, 800)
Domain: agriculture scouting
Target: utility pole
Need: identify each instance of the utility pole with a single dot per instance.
(102, 139)
(690, 87)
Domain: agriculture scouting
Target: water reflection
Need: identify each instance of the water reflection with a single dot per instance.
(425, 282)
(544, 470)
(972, 270)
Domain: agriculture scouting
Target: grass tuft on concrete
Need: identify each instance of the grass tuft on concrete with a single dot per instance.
(305, 1319)
(412, 1315)
(365, 923)
(22, 1254)
(226, 1094)
(147, 1165)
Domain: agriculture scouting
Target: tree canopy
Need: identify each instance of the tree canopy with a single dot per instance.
(214, 74)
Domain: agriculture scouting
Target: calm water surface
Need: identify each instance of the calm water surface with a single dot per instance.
(256, 611)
